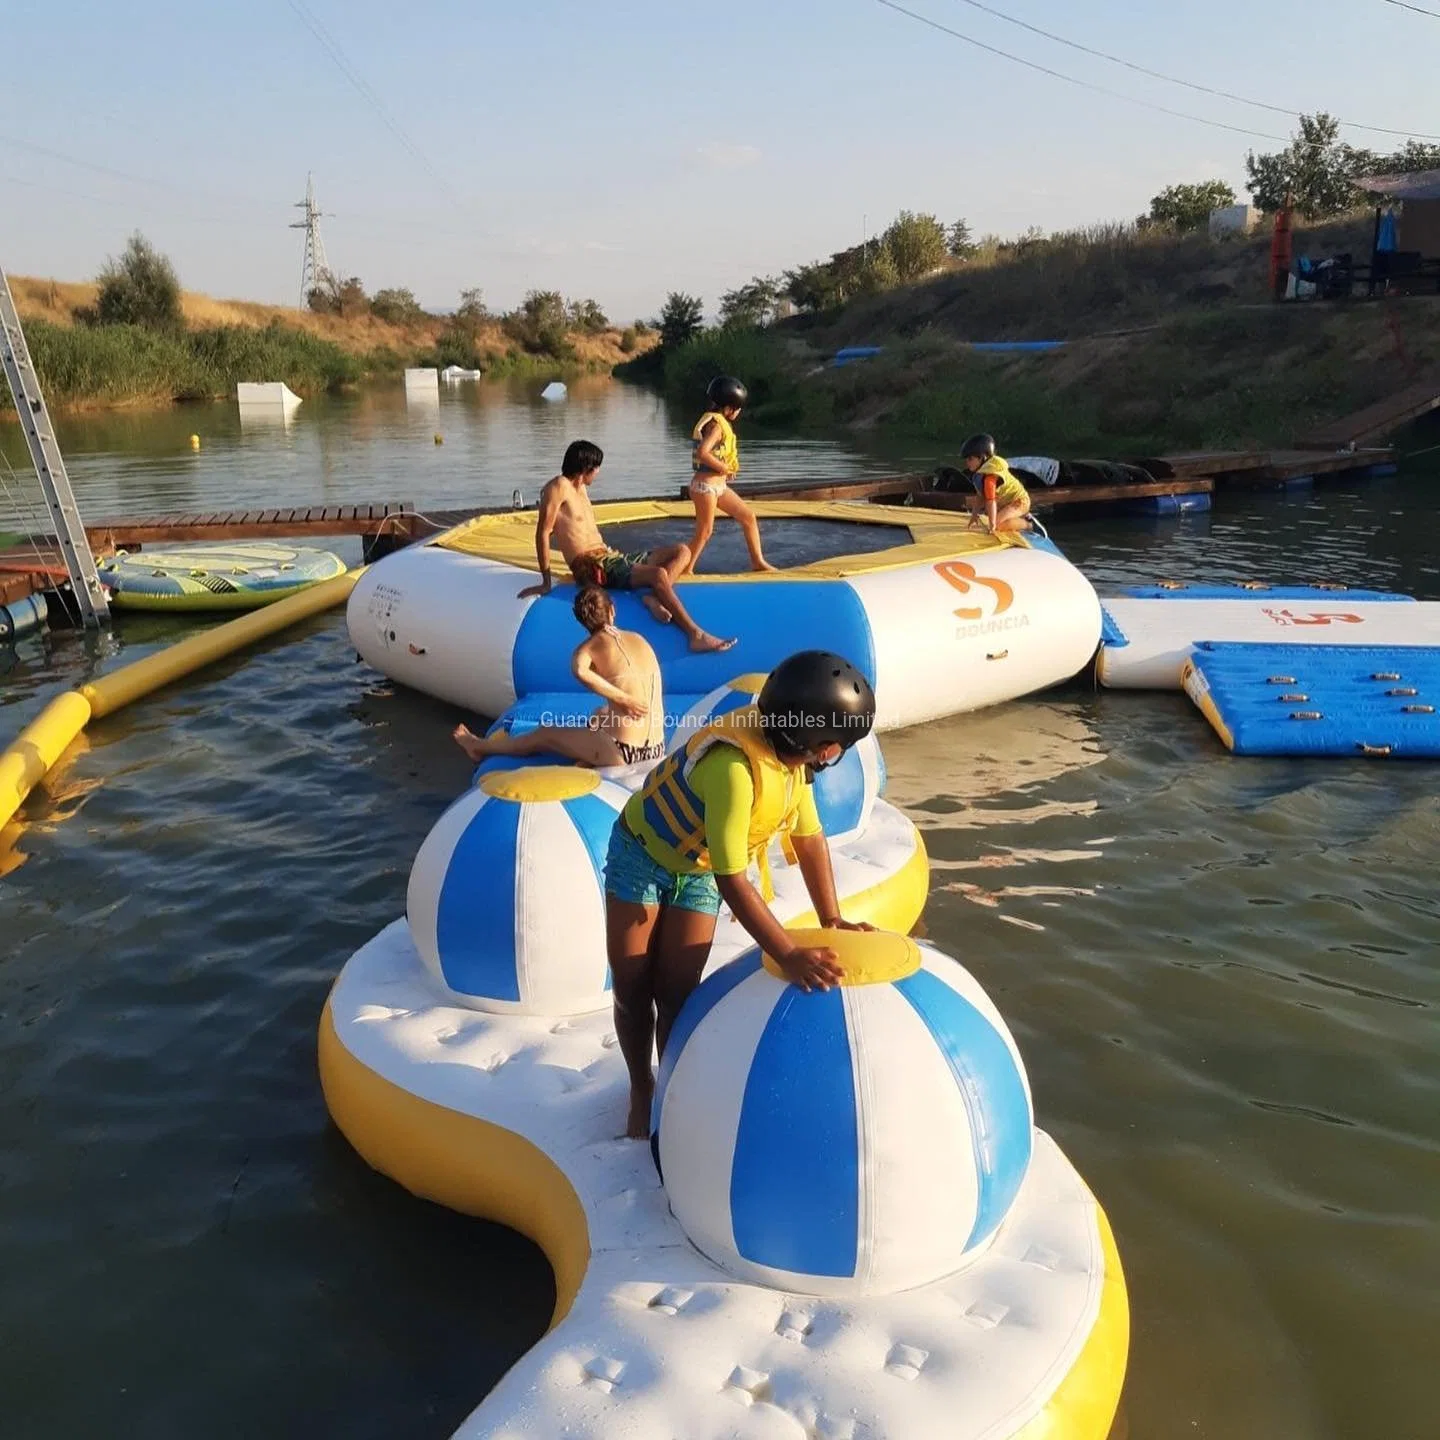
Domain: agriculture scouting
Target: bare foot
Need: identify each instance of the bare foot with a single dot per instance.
(470, 743)
(656, 609)
(704, 641)
(637, 1127)
(762, 565)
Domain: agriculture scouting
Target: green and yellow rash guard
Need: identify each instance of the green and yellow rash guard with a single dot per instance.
(722, 781)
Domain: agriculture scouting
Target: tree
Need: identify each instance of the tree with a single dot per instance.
(812, 287)
(750, 306)
(916, 244)
(471, 308)
(1188, 207)
(396, 307)
(1316, 169)
(140, 288)
(877, 274)
(1411, 157)
(334, 296)
(681, 319)
(540, 324)
(586, 315)
(959, 241)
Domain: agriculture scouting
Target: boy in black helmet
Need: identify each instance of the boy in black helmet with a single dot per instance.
(685, 841)
(716, 461)
(999, 496)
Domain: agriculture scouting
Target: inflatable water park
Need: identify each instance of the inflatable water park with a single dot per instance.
(849, 1222)
(847, 1219)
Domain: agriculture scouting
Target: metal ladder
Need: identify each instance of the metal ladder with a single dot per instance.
(49, 463)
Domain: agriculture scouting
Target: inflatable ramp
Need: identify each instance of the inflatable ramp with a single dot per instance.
(1344, 700)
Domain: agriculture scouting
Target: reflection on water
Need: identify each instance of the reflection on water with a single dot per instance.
(1221, 973)
(378, 444)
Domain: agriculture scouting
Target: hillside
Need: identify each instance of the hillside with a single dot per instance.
(1171, 343)
(228, 340)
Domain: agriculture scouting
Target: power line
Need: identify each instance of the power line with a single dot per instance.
(1074, 80)
(332, 48)
(1400, 4)
(1188, 84)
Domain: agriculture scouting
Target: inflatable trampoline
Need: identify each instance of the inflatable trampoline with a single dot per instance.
(941, 618)
(239, 576)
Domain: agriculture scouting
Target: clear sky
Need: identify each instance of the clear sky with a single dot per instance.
(619, 150)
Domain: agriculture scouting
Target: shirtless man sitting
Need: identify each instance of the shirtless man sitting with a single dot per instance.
(621, 668)
(567, 514)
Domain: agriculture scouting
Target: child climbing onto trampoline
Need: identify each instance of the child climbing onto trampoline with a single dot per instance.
(999, 496)
(567, 515)
(686, 840)
(716, 460)
(621, 668)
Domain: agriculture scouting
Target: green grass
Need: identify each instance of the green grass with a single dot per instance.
(113, 364)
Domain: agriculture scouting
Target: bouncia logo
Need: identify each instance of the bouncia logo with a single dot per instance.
(962, 577)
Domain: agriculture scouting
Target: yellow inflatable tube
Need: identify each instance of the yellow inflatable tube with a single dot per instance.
(41, 743)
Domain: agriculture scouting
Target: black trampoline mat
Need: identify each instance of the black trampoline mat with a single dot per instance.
(787, 542)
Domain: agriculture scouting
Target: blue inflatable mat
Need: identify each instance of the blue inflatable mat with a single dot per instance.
(1352, 700)
(1186, 591)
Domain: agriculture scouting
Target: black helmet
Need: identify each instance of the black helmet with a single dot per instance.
(726, 390)
(815, 699)
(982, 447)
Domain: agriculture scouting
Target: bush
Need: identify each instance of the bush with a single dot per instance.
(750, 354)
(137, 362)
(628, 340)
(140, 288)
(540, 325)
(396, 307)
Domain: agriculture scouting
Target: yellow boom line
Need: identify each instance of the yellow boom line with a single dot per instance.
(41, 743)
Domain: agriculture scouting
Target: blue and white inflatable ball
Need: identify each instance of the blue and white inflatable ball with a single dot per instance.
(845, 794)
(859, 1141)
(507, 899)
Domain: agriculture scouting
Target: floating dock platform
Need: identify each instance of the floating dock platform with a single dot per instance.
(1379, 701)
(1147, 640)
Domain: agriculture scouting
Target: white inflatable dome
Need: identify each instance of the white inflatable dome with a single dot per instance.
(845, 794)
(859, 1141)
(507, 900)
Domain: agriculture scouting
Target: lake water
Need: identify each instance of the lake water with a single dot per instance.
(1221, 972)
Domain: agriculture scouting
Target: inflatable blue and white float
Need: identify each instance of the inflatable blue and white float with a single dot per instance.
(860, 1235)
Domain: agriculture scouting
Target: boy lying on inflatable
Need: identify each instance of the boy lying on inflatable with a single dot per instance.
(686, 839)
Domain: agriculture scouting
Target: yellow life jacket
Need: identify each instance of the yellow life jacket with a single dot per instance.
(1008, 490)
(727, 452)
(677, 815)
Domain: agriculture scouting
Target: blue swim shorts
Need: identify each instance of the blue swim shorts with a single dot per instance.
(631, 875)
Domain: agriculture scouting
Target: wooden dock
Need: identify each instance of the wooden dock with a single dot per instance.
(366, 520)
(1377, 421)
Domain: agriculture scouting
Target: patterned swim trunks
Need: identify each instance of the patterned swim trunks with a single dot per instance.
(607, 568)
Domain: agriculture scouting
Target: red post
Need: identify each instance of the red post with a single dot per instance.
(1281, 249)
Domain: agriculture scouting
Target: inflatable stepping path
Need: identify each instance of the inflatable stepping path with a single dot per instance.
(1350, 700)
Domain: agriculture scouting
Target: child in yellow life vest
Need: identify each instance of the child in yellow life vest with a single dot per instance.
(1000, 497)
(685, 841)
(716, 460)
